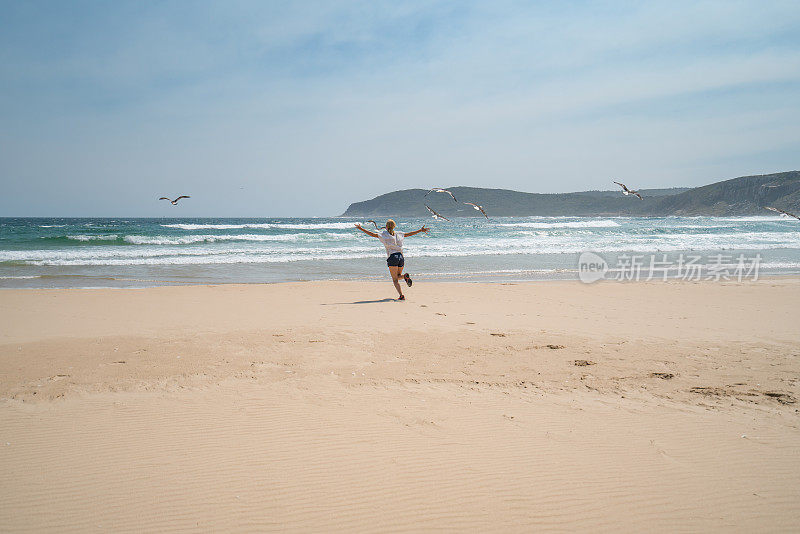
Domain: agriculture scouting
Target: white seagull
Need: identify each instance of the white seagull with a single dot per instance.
(436, 215)
(175, 202)
(439, 190)
(626, 191)
(783, 213)
(479, 208)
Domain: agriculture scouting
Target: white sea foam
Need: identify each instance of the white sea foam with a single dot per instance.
(572, 224)
(542, 244)
(319, 255)
(755, 218)
(343, 254)
(264, 226)
(143, 254)
(701, 226)
(106, 237)
(779, 265)
(266, 248)
(204, 260)
(210, 238)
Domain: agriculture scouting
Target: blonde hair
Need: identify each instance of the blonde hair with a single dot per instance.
(390, 224)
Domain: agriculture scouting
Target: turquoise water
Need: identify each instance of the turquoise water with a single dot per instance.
(53, 252)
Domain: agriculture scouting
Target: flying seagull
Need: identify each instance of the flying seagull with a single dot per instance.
(479, 208)
(175, 202)
(436, 215)
(376, 225)
(626, 191)
(439, 190)
(784, 213)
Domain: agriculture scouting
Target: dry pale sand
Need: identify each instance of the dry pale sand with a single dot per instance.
(320, 406)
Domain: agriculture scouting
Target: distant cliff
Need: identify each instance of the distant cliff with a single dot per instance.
(746, 195)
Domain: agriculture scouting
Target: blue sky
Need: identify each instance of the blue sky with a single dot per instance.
(260, 108)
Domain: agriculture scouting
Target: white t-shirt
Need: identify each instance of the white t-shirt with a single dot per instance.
(393, 243)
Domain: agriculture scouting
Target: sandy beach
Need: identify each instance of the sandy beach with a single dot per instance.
(327, 406)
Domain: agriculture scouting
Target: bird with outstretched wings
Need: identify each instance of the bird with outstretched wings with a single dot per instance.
(175, 202)
(626, 191)
(783, 213)
(479, 208)
(440, 190)
(436, 215)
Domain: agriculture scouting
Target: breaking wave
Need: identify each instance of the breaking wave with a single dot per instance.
(263, 226)
(573, 224)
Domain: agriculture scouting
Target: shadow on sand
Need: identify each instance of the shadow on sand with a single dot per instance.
(360, 302)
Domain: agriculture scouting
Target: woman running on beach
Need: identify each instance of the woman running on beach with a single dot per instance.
(393, 241)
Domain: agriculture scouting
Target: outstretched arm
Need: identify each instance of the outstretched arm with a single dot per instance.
(371, 234)
(423, 229)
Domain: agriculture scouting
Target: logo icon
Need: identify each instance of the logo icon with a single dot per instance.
(591, 267)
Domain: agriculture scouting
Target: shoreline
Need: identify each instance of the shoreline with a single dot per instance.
(439, 278)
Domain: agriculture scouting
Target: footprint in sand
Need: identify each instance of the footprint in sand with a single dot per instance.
(662, 376)
(783, 398)
(583, 363)
(56, 378)
(555, 347)
(709, 391)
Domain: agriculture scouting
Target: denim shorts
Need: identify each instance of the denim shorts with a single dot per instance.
(395, 260)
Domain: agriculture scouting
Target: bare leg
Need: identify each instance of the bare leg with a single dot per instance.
(396, 274)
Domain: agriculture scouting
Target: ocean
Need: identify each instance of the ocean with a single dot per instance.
(129, 252)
